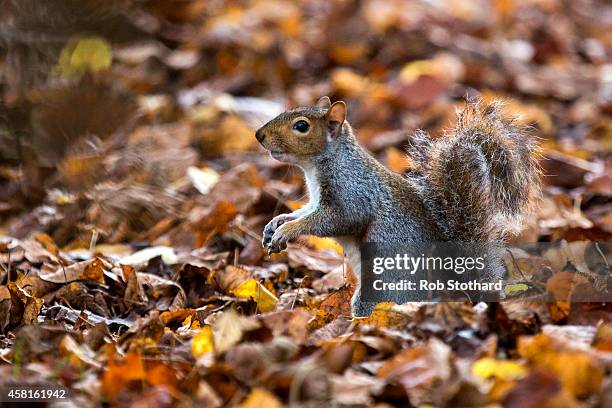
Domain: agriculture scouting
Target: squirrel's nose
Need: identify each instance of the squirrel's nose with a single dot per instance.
(260, 136)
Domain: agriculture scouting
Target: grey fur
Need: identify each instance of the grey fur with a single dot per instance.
(472, 186)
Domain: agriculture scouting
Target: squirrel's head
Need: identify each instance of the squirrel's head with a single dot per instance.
(298, 135)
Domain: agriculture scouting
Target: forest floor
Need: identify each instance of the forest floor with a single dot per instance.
(133, 195)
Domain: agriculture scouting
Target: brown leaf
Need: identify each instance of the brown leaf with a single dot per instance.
(541, 388)
(134, 292)
(388, 314)
(354, 388)
(212, 221)
(5, 307)
(31, 310)
(579, 373)
(91, 271)
(169, 294)
(563, 285)
(567, 171)
(292, 323)
(241, 186)
(121, 373)
(338, 303)
(419, 370)
(230, 278)
(300, 257)
(228, 329)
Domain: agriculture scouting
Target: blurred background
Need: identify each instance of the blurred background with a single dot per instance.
(133, 195)
(126, 95)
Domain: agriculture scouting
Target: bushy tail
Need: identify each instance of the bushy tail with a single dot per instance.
(482, 180)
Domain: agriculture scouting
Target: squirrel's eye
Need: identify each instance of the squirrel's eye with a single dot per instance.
(301, 126)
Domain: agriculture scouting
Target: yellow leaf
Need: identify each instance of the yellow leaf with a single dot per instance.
(348, 82)
(202, 342)
(195, 325)
(516, 287)
(86, 54)
(488, 367)
(413, 70)
(251, 289)
(321, 244)
(261, 398)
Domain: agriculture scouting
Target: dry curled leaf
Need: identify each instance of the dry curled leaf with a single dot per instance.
(577, 370)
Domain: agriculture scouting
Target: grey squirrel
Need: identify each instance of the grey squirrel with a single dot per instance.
(474, 185)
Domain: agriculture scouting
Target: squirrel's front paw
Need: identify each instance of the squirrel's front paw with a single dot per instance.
(272, 226)
(279, 239)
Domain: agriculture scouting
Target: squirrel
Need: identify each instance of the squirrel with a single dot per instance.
(475, 185)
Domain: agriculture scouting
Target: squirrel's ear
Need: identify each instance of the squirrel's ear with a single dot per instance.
(336, 115)
(324, 102)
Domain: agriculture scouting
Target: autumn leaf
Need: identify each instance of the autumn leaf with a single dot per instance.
(202, 343)
(488, 367)
(92, 271)
(228, 329)
(515, 288)
(87, 54)
(134, 368)
(577, 371)
(134, 194)
(260, 397)
(253, 290)
(5, 307)
(386, 315)
(419, 369)
(121, 372)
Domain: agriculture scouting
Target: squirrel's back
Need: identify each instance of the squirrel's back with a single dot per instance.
(480, 181)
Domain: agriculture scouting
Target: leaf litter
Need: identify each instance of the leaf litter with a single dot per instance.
(133, 196)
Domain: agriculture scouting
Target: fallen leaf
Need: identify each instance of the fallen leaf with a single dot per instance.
(419, 370)
(145, 255)
(202, 179)
(387, 314)
(87, 54)
(576, 370)
(135, 368)
(540, 388)
(202, 342)
(91, 271)
(354, 388)
(253, 290)
(488, 367)
(260, 397)
(515, 288)
(5, 307)
(228, 329)
(312, 260)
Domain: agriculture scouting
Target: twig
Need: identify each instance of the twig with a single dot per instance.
(248, 232)
(602, 255)
(59, 258)
(297, 293)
